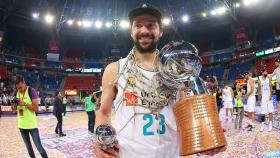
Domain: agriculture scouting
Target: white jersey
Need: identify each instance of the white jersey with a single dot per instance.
(249, 87)
(265, 87)
(276, 72)
(140, 133)
(227, 97)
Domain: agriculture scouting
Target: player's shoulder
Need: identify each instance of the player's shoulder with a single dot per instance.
(115, 66)
(112, 67)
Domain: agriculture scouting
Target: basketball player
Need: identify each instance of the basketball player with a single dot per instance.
(251, 100)
(276, 73)
(140, 133)
(265, 97)
(228, 99)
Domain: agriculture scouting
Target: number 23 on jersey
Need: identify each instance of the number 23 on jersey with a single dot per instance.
(150, 119)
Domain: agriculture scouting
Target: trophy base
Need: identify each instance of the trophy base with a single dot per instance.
(198, 124)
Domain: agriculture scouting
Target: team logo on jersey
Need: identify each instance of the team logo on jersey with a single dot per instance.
(130, 98)
(131, 81)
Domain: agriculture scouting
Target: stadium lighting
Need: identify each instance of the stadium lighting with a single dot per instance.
(166, 21)
(213, 12)
(250, 2)
(35, 15)
(221, 10)
(124, 24)
(247, 2)
(70, 22)
(79, 23)
(98, 24)
(108, 24)
(237, 5)
(185, 18)
(87, 23)
(49, 18)
(204, 14)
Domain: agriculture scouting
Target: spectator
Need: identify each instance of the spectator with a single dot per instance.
(4, 99)
(1, 85)
(90, 109)
(1, 103)
(57, 111)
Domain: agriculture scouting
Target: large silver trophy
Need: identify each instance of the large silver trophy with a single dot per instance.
(199, 128)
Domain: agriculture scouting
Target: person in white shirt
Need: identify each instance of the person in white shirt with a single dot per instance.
(227, 95)
(0, 100)
(140, 133)
(276, 73)
(265, 98)
(251, 100)
(4, 100)
(2, 85)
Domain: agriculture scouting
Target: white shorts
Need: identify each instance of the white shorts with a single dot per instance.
(267, 106)
(228, 104)
(251, 103)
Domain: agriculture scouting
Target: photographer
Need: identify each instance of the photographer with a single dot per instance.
(26, 101)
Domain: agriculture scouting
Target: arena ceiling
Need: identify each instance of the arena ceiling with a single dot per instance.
(17, 14)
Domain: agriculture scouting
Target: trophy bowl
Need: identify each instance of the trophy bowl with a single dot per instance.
(196, 114)
(178, 61)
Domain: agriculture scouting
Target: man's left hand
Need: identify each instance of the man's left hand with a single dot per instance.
(22, 103)
(270, 97)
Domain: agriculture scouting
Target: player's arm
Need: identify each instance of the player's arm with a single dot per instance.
(251, 87)
(270, 85)
(103, 115)
(232, 93)
(259, 90)
(271, 75)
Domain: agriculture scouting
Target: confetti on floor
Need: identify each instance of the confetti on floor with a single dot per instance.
(78, 143)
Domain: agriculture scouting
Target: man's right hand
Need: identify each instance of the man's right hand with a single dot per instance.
(106, 153)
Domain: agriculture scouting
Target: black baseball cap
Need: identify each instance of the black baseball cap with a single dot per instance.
(145, 9)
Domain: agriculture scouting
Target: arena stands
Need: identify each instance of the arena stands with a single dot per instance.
(267, 63)
(238, 69)
(82, 82)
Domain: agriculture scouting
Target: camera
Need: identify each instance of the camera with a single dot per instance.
(15, 101)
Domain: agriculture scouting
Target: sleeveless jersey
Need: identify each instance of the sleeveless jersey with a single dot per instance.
(249, 87)
(227, 94)
(140, 133)
(265, 87)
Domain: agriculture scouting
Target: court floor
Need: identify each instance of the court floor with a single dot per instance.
(78, 143)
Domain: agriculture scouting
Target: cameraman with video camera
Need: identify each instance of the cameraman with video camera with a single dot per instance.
(26, 103)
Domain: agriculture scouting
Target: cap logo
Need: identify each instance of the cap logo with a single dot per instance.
(144, 6)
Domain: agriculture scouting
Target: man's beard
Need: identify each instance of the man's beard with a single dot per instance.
(150, 49)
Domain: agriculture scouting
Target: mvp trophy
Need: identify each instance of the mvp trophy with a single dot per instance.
(198, 124)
